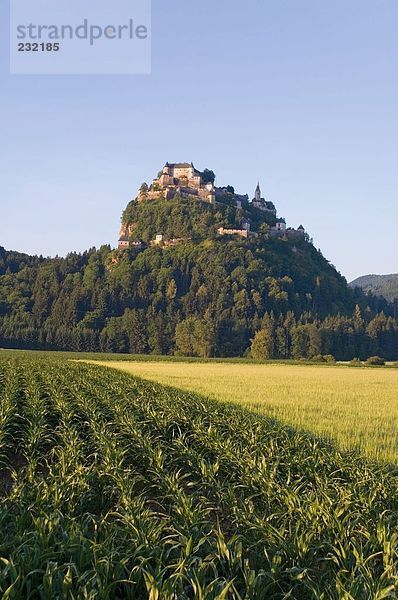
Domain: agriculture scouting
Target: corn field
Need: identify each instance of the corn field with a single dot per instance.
(114, 487)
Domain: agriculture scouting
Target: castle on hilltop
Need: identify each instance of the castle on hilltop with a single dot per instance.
(184, 180)
(180, 179)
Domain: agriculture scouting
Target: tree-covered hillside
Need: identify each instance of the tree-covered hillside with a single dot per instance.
(379, 285)
(204, 298)
(189, 218)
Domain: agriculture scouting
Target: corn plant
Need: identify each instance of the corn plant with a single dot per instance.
(129, 489)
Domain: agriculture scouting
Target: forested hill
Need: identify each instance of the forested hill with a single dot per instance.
(379, 285)
(207, 296)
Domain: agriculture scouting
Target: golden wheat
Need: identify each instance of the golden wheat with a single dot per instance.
(358, 408)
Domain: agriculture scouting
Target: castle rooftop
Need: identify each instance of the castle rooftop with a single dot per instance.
(179, 165)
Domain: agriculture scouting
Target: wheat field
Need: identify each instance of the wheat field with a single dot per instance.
(357, 408)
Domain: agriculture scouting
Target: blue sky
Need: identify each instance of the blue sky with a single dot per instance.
(301, 94)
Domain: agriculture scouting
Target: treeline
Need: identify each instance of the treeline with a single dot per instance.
(12, 262)
(141, 332)
(209, 298)
(342, 338)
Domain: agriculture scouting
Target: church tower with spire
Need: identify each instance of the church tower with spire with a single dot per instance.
(261, 203)
(257, 194)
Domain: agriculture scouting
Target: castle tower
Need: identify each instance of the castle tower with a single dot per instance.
(257, 194)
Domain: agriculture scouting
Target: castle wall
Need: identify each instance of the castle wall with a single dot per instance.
(180, 172)
(154, 195)
(241, 232)
(196, 180)
(165, 180)
(289, 233)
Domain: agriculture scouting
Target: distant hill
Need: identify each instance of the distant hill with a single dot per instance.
(379, 285)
